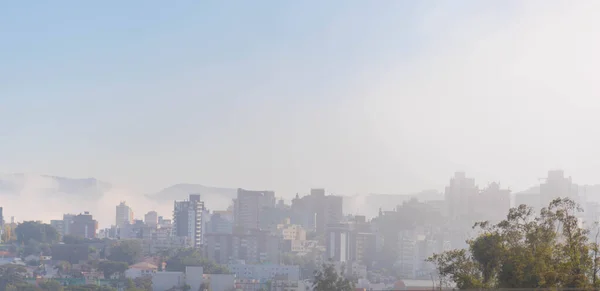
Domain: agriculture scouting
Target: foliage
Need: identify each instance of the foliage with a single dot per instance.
(144, 283)
(33, 230)
(51, 285)
(11, 275)
(62, 267)
(128, 251)
(328, 279)
(549, 250)
(109, 268)
(192, 257)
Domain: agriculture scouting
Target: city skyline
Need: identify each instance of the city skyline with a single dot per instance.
(391, 96)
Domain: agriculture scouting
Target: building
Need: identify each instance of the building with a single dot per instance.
(124, 214)
(67, 223)
(249, 205)
(84, 226)
(289, 231)
(59, 225)
(220, 223)
(187, 219)
(151, 219)
(460, 196)
(265, 272)
(492, 203)
(252, 247)
(338, 242)
(558, 186)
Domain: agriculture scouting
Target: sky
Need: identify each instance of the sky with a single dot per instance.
(353, 96)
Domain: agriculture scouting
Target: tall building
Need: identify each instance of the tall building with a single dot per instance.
(460, 195)
(151, 219)
(249, 205)
(124, 214)
(338, 242)
(252, 247)
(187, 219)
(558, 186)
(84, 226)
(67, 223)
(59, 225)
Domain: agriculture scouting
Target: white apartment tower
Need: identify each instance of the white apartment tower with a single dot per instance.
(124, 214)
(187, 219)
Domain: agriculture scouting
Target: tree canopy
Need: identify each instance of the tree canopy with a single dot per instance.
(192, 257)
(549, 250)
(33, 230)
(128, 251)
(328, 279)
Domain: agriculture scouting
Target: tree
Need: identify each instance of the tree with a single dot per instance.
(11, 275)
(143, 283)
(549, 250)
(40, 232)
(192, 257)
(109, 268)
(328, 279)
(128, 251)
(51, 285)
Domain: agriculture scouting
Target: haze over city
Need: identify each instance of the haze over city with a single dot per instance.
(226, 142)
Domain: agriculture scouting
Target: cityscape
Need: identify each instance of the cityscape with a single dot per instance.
(262, 243)
(340, 145)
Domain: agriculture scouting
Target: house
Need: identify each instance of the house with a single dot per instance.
(140, 270)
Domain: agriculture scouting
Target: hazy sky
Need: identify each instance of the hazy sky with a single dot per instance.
(354, 96)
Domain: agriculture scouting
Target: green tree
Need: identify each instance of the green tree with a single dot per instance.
(192, 257)
(51, 285)
(549, 250)
(33, 230)
(128, 251)
(11, 275)
(109, 268)
(328, 279)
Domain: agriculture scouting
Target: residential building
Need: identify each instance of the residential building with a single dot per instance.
(67, 223)
(558, 186)
(59, 225)
(249, 205)
(252, 247)
(338, 242)
(265, 272)
(289, 231)
(151, 219)
(460, 196)
(187, 219)
(84, 226)
(124, 214)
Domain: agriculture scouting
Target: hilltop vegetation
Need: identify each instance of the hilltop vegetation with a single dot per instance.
(548, 250)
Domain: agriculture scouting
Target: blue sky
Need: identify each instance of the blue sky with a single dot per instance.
(284, 95)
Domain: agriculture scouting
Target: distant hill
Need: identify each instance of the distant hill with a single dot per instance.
(212, 196)
(73, 188)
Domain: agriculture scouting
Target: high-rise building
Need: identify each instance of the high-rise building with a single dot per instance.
(59, 225)
(558, 186)
(84, 226)
(338, 242)
(124, 214)
(460, 195)
(67, 223)
(187, 219)
(248, 206)
(151, 219)
(252, 247)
